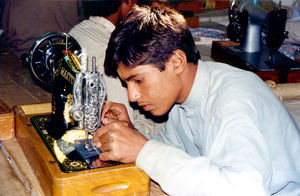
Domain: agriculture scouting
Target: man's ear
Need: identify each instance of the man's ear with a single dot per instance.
(178, 61)
(126, 1)
(126, 6)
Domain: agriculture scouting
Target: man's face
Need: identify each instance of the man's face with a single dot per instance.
(154, 90)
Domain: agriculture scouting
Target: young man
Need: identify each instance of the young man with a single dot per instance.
(227, 133)
(93, 34)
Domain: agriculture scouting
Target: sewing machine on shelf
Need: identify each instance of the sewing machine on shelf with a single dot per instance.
(256, 34)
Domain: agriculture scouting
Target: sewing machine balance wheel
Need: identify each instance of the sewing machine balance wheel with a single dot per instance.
(45, 55)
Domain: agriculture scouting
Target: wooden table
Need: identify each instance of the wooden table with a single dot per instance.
(32, 169)
(18, 178)
(10, 183)
(6, 121)
(221, 52)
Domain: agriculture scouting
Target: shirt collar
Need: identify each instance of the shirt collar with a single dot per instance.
(198, 89)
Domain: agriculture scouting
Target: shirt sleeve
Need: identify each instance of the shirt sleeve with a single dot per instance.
(237, 163)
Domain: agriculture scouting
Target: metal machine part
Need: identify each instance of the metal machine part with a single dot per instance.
(89, 94)
(247, 21)
(45, 54)
(260, 33)
(251, 41)
(95, 95)
(237, 23)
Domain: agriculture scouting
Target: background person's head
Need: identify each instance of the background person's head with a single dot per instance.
(107, 8)
(149, 35)
(100, 8)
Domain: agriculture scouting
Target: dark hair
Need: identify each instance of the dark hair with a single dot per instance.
(149, 35)
(100, 7)
(105, 7)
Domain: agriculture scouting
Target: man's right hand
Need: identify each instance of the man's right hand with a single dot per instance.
(114, 111)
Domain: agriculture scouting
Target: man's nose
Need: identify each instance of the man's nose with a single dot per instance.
(133, 93)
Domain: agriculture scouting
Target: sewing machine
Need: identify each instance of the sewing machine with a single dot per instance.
(57, 61)
(257, 34)
(56, 137)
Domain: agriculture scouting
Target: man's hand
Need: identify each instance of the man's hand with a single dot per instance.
(119, 142)
(114, 111)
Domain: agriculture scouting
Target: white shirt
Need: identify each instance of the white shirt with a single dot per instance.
(232, 136)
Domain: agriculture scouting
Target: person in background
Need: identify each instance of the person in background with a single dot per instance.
(24, 21)
(227, 133)
(93, 34)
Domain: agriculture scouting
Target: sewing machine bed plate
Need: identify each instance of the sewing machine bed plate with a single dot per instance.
(124, 179)
(229, 52)
(68, 165)
(258, 59)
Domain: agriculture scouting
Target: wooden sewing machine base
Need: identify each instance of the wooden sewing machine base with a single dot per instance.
(125, 179)
(224, 51)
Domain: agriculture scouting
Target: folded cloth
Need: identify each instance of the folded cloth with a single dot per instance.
(293, 107)
(285, 91)
(289, 94)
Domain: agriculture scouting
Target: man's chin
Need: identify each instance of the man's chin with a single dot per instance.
(157, 113)
(159, 117)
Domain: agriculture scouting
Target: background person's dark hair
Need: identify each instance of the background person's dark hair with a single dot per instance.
(105, 7)
(149, 35)
(100, 7)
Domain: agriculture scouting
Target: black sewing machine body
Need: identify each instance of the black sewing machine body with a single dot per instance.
(260, 34)
(62, 96)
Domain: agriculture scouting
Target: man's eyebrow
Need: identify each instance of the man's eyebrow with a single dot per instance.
(130, 77)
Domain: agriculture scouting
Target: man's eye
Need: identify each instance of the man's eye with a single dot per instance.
(138, 80)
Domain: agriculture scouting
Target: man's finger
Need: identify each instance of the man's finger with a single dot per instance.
(105, 156)
(107, 121)
(97, 143)
(99, 133)
(105, 145)
(105, 108)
